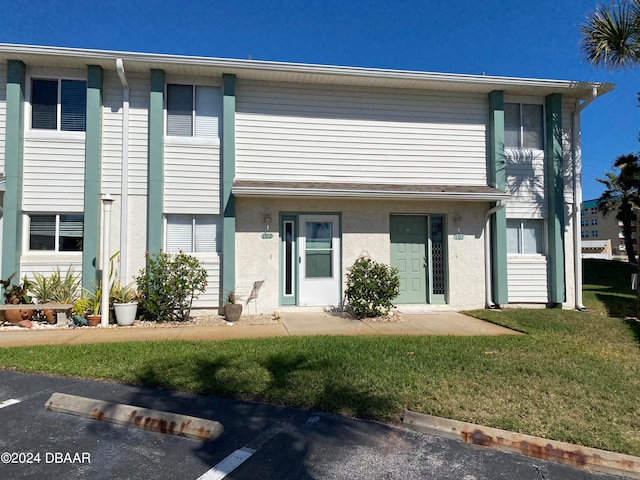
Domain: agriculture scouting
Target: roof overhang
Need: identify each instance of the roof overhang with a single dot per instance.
(254, 188)
(299, 72)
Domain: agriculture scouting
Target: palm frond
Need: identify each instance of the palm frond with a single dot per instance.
(611, 35)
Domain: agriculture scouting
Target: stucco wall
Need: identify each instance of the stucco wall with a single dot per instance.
(365, 230)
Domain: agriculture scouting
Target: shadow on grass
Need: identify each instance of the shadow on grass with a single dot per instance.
(608, 282)
(278, 378)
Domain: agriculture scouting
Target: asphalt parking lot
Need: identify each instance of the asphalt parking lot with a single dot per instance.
(259, 442)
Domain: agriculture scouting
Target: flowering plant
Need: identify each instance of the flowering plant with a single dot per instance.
(168, 284)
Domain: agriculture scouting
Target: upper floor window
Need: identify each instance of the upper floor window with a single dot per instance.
(594, 221)
(193, 111)
(523, 126)
(59, 105)
(57, 233)
(525, 236)
(193, 233)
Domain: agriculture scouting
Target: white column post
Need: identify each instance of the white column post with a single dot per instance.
(107, 201)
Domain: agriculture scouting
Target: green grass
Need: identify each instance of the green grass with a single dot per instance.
(573, 377)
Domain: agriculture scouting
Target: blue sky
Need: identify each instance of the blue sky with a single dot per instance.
(538, 39)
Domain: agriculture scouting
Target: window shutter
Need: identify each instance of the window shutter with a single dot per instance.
(208, 233)
(208, 111)
(180, 110)
(73, 109)
(44, 104)
(179, 233)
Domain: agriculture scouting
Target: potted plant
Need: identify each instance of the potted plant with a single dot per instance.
(17, 295)
(55, 289)
(93, 301)
(232, 310)
(125, 303)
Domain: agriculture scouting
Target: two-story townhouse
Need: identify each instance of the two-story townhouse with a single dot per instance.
(285, 174)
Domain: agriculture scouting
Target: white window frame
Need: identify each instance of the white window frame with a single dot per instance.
(192, 250)
(56, 250)
(520, 101)
(40, 132)
(193, 138)
(543, 245)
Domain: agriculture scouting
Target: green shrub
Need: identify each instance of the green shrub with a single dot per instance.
(168, 284)
(371, 288)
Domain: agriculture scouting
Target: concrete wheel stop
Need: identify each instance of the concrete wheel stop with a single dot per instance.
(137, 417)
(560, 452)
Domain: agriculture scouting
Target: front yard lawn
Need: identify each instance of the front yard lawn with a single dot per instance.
(574, 377)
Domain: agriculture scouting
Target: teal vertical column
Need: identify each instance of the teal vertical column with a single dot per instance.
(498, 179)
(228, 173)
(92, 168)
(554, 190)
(13, 163)
(155, 165)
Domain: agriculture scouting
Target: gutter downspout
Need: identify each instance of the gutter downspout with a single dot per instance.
(124, 183)
(576, 152)
(500, 204)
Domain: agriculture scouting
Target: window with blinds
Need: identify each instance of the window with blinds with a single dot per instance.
(523, 126)
(193, 111)
(57, 233)
(193, 233)
(59, 105)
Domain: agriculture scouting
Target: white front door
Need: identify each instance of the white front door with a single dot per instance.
(319, 260)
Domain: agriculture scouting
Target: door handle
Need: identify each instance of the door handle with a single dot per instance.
(424, 262)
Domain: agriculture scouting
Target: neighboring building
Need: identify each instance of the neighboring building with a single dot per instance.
(287, 173)
(597, 226)
(596, 249)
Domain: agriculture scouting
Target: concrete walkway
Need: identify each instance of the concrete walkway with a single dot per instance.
(292, 324)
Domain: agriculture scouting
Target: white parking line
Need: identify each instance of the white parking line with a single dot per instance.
(237, 458)
(7, 403)
(228, 465)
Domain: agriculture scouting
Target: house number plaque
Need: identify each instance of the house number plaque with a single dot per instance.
(458, 236)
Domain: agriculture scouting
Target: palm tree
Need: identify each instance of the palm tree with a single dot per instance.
(622, 195)
(611, 36)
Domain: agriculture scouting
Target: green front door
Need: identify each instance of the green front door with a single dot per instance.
(409, 256)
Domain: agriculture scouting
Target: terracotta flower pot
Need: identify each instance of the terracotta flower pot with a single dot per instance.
(17, 316)
(94, 320)
(50, 315)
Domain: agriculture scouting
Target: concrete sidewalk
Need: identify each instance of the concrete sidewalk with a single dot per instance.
(292, 324)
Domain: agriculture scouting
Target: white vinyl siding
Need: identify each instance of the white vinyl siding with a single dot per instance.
(3, 112)
(53, 173)
(191, 178)
(211, 296)
(138, 132)
(527, 279)
(299, 133)
(47, 265)
(525, 184)
(111, 133)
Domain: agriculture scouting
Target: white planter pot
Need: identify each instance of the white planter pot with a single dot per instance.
(125, 313)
